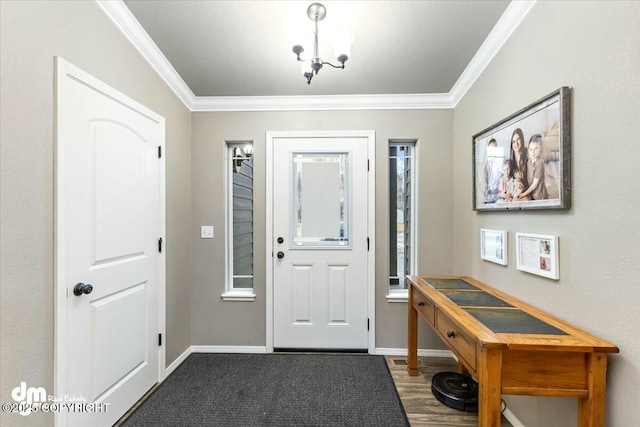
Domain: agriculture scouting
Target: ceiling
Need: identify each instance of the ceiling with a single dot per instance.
(236, 55)
(243, 48)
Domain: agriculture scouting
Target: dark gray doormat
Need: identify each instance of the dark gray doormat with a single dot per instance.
(274, 390)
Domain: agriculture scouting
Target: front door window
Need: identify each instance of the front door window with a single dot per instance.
(320, 200)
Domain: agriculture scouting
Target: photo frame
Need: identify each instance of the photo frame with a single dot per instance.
(533, 144)
(538, 254)
(493, 245)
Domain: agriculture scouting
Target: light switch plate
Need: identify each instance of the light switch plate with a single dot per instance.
(206, 232)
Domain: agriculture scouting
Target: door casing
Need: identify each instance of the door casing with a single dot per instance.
(368, 137)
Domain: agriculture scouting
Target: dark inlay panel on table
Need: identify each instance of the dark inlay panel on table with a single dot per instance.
(512, 321)
(449, 284)
(475, 298)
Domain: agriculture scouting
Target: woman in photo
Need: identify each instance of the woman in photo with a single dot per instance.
(519, 157)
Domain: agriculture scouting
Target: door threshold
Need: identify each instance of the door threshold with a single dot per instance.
(321, 350)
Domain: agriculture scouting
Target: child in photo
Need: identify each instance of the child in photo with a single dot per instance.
(535, 171)
(510, 185)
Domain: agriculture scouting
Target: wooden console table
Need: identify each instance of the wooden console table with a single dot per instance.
(509, 347)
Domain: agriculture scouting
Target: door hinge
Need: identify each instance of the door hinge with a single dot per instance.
(367, 164)
(159, 151)
(367, 324)
(367, 243)
(159, 339)
(160, 245)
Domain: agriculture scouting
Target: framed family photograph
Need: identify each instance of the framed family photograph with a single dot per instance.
(524, 161)
(538, 254)
(493, 245)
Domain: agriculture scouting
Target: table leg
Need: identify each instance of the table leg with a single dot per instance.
(591, 409)
(490, 387)
(462, 369)
(412, 336)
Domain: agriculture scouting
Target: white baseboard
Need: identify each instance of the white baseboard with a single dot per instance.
(228, 349)
(172, 367)
(510, 416)
(382, 351)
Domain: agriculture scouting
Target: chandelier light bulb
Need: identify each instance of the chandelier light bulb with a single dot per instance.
(342, 44)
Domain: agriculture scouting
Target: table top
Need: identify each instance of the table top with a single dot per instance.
(497, 319)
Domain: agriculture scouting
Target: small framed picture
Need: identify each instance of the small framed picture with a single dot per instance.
(538, 254)
(493, 245)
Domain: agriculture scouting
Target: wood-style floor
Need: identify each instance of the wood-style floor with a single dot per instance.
(421, 407)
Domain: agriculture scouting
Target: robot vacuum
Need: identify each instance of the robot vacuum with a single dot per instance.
(456, 391)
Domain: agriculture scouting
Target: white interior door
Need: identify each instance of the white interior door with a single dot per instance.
(109, 221)
(320, 243)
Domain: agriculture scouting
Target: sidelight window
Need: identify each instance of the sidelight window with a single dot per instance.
(402, 212)
(240, 215)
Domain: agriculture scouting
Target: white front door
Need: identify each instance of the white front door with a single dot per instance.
(320, 199)
(109, 221)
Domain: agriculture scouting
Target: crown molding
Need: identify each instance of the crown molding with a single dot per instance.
(508, 22)
(133, 31)
(317, 102)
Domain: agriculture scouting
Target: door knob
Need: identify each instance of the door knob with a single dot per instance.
(81, 288)
(280, 240)
(280, 255)
(451, 334)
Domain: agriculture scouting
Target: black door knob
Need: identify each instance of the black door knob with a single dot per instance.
(280, 240)
(280, 255)
(451, 334)
(81, 288)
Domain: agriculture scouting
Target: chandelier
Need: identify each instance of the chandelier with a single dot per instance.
(316, 12)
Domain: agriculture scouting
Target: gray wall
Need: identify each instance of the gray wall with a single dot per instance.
(217, 322)
(32, 33)
(593, 47)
